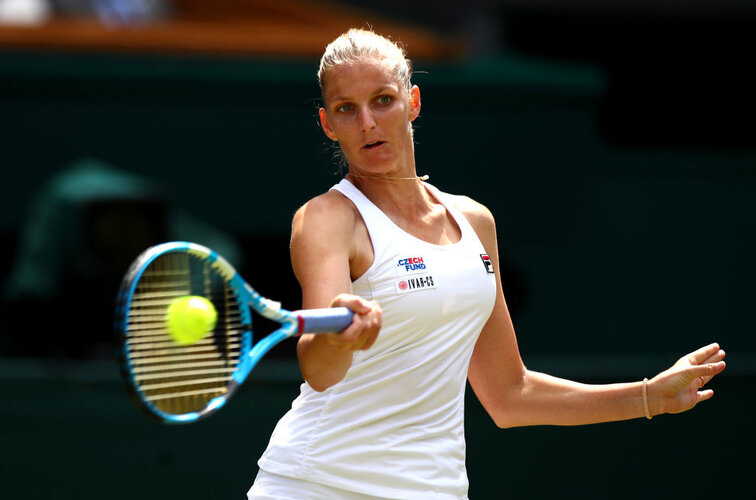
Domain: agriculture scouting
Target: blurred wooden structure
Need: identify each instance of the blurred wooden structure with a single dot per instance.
(278, 28)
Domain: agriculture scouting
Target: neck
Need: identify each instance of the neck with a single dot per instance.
(355, 175)
(401, 197)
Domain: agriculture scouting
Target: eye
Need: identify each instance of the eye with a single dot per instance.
(344, 108)
(384, 99)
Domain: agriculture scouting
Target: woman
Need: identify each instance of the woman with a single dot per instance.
(381, 415)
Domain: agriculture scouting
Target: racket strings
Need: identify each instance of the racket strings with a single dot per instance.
(177, 378)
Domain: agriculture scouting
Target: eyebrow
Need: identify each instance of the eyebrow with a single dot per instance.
(379, 90)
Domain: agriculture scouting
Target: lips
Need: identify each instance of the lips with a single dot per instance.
(373, 145)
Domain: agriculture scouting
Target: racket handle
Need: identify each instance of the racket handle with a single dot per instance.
(329, 319)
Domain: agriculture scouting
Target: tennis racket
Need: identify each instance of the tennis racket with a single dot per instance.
(178, 383)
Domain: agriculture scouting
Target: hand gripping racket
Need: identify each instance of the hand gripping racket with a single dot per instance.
(184, 383)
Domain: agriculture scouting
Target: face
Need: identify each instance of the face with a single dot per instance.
(369, 112)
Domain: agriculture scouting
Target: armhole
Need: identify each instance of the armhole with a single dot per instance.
(353, 196)
(484, 228)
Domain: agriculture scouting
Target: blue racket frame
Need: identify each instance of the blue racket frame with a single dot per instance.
(293, 323)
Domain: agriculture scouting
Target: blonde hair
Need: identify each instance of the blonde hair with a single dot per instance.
(357, 44)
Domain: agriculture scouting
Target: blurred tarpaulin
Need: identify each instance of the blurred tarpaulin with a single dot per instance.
(86, 225)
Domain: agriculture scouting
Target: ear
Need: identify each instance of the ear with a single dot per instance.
(414, 102)
(326, 126)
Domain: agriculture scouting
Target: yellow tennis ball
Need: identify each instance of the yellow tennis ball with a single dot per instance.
(190, 318)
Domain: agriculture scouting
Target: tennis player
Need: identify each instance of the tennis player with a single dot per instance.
(380, 415)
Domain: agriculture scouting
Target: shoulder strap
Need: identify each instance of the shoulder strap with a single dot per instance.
(380, 228)
(371, 214)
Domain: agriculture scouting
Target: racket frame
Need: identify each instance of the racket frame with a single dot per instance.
(292, 323)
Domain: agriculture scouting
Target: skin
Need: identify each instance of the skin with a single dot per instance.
(370, 114)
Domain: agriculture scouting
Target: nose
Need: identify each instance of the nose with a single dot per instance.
(367, 120)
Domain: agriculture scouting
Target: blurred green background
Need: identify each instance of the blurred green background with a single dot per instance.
(614, 145)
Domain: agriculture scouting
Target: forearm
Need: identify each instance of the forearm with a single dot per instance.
(542, 399)
(322, 363)
(324, 359)
(515, 396)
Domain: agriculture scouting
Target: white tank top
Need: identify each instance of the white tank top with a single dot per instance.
(394, 427)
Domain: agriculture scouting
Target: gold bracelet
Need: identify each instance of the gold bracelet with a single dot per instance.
(645, 399)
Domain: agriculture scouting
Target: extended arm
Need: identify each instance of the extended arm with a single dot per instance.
(322, 252)
(516, 396)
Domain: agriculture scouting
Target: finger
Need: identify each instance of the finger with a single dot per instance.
(360, 335)
(704, 395)
(369, 341)
(702, 354)
(705, 372)
(341, 340)
(353, 302)
(715, 358)
(372, 328)
(347, 337)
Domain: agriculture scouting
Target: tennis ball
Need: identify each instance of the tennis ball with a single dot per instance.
(190, 318)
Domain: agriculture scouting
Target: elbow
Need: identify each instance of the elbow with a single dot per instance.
(317, 383)
(503, 419)
(505, 406)
(318, 386)
(501, 413)
(318, 375)
(320, 380)
(501, 423)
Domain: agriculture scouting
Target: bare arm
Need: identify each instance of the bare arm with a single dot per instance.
(322, 248)
(516, 396)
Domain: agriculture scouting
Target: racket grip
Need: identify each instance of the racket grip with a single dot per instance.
(325, 320)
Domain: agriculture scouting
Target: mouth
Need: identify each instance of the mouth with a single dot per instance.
(373, 145)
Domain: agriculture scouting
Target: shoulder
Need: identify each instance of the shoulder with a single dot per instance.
(328, 211)
(479, 216)
(329, 228)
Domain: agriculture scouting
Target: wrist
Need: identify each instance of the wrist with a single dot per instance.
(644, 397)
(653, 404)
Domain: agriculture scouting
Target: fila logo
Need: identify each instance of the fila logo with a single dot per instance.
(487, 263)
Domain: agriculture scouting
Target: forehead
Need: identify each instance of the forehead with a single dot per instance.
(360, 76)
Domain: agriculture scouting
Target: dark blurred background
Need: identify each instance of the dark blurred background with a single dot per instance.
(614, 144)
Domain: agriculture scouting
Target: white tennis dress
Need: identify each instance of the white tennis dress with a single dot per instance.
(394, 427)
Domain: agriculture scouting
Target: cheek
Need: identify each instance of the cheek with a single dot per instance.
(336, 128)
